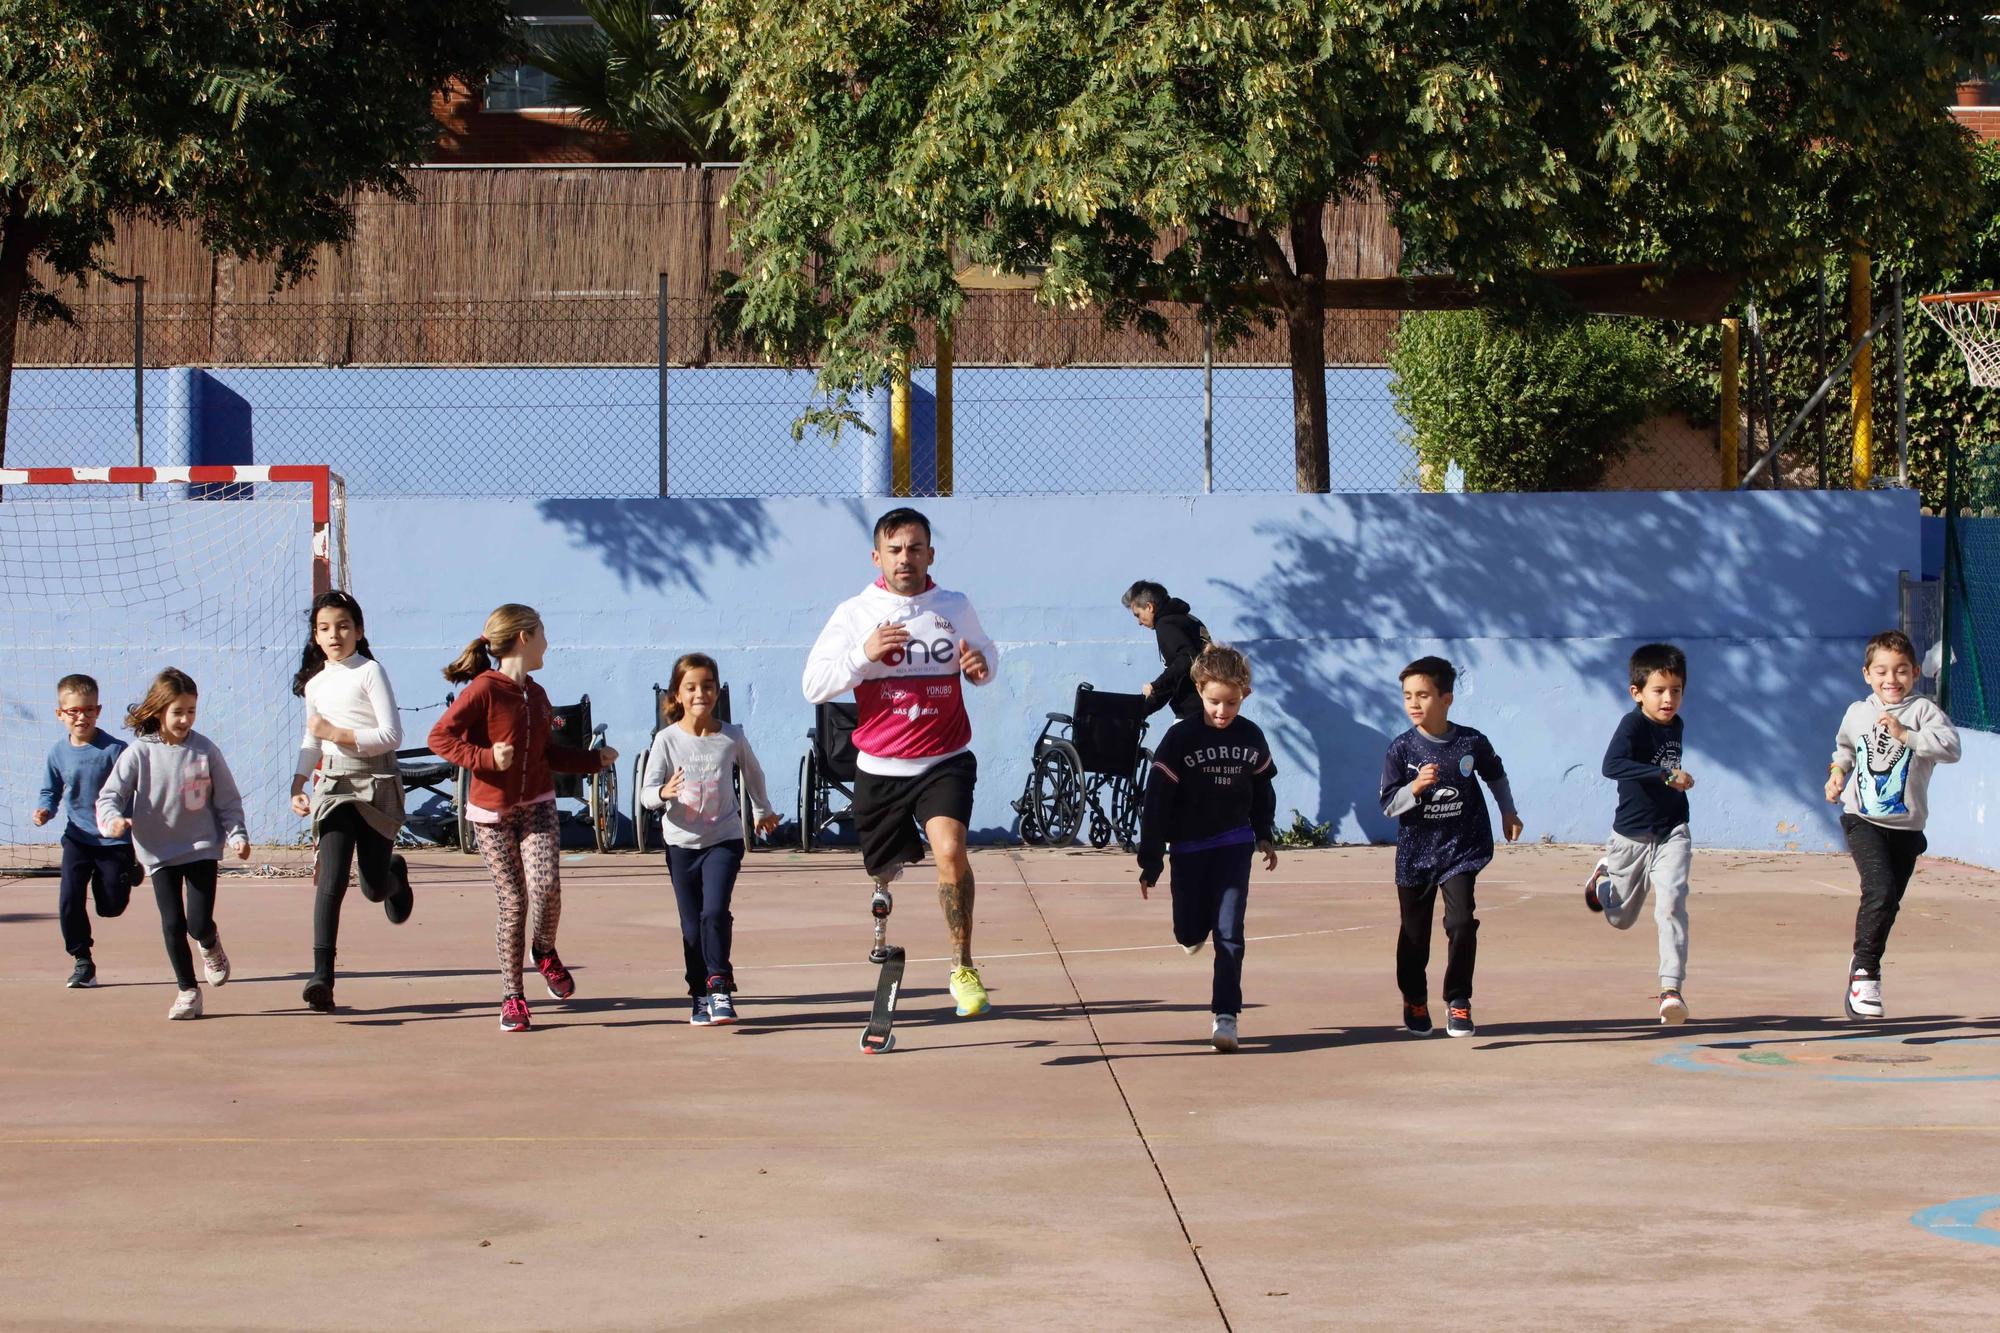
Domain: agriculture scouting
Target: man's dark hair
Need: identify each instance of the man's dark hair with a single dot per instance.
(1653, 657)
(1441, 674)
(1144, 593)
(905, 517)
(1890, 641)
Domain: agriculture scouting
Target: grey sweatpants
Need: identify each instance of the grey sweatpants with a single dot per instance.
(1634, 867)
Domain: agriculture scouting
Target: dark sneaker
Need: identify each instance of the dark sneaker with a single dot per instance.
(700, 1017)
(721, 1008)
(318, 995)
(1590, 898)
(83, 976)
(1458, 1020)
(400, 902)
(561, 984)
(1417, 1019)
(514, 1014)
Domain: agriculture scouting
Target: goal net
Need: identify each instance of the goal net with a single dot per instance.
(116, 573)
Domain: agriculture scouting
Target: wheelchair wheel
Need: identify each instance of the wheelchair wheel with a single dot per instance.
(1031, 832)
(1055, 793)
(461, 803)
(640, 814)
(1128, 802)
(603, 796)
(808, 802)
(1100, 830)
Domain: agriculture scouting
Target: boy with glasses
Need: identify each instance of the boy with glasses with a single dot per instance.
(93, 866)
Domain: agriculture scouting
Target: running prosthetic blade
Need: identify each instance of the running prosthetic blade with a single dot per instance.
(878, 1039)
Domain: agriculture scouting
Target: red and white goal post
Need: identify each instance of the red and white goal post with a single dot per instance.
(117, 572)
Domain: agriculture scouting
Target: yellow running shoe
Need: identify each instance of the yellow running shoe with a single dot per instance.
(970, 993)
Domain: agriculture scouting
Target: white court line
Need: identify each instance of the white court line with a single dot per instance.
(1281, 884)
(1837, 888)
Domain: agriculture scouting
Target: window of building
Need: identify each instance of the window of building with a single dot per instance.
(526, 87)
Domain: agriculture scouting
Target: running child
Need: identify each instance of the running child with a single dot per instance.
(1209, 797)
(1881, 776)
(1650, 847)
(499, 729)
(1444, 838)
(173, 793)
(93, 866)
(688, 780)
(352, 731)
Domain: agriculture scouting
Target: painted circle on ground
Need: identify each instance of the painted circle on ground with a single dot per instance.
(1963, 1219)
(1889, 1058)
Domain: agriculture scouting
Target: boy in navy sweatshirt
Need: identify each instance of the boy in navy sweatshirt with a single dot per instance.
(1209, 794)
(93, 865)
(1650, 848)
(1444, 838)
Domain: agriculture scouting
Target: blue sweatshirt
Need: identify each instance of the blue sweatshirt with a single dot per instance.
(1445, 831)
(1641, 755)
(76, 774)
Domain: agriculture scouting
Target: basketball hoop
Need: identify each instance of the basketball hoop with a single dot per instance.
(1972, 321)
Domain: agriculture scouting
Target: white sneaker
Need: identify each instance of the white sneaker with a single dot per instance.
(1192, 949)
(1673, 1009)
(1864, 995)
(1223, 1035)
(187, 1004)
(214, 962)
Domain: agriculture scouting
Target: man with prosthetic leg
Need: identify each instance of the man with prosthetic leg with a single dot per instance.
(905, 647)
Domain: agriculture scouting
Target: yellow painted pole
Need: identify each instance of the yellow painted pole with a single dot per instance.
(899, 427)
(1861, 389)
(1732, 407)
(944, 409)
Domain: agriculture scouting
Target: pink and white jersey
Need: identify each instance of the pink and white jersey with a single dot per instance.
(912, 704)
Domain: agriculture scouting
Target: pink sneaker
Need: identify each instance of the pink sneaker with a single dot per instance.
(561, 984)
(514, 1014)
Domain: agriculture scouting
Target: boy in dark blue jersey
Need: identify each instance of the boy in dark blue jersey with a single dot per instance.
(1444, 838)
(1209, 794)
(1650, 848)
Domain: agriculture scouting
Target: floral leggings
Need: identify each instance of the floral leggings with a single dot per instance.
(522, 854)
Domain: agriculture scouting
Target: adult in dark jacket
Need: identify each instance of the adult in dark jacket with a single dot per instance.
(1181, 638)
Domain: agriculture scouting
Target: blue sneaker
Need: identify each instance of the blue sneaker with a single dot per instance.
(721, 1008)
(700, 1017)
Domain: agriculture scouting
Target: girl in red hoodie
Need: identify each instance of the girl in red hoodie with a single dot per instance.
(499, 729)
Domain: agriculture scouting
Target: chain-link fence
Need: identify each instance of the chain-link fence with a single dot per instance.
(633, 395)
(1969, 684)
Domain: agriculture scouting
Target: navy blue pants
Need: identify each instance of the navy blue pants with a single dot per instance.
(704, 878)
(1210, 890)
(91, 870)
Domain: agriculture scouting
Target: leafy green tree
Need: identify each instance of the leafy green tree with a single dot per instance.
(255, 120)
(630, 75)
(1189, 150)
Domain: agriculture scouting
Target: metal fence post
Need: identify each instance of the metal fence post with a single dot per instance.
(1902, 385)
(1207, 407)
(663, 384)
(139, 377)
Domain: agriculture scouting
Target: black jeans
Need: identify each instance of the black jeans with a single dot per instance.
(704, 878)
(345, 836)
(1886, 858)
(91, 870)
(186, 898)
(1211, 889)
(1413, 942)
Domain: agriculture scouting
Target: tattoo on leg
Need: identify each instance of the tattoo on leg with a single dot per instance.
(956, 899)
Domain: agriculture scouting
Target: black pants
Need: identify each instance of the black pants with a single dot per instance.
(344, 836)
(1413, 943)
(1211, 889)
(186, 898)
(704, 878)
(91, 871)
(1886, 858)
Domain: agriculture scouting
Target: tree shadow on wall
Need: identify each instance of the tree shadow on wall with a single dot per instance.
(654, 543)
(1559, 590)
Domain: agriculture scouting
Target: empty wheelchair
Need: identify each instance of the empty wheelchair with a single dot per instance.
(598, 791)
(1090, 762)
(827, 769)
(646, 823)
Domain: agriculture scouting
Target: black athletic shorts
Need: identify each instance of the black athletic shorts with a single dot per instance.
(889, 812)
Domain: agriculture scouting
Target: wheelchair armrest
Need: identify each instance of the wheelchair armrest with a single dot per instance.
(1063, 718)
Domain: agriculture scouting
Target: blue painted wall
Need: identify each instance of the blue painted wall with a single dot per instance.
(583, 432)
(1539, 599)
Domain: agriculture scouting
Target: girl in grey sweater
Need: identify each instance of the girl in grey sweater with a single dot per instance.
(688, 780)
(174, 794)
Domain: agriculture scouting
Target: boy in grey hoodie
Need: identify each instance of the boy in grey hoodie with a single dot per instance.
(174, 794)
(1880, 775)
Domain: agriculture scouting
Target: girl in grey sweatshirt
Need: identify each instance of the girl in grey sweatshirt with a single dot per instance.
(174, 794)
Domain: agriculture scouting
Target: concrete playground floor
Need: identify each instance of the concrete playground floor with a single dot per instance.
(1079, 1157)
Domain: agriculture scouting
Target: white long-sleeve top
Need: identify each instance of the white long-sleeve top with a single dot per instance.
(352, 693)
(911, 705)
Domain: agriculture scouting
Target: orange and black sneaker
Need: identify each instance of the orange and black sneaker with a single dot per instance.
(1417, 1019)
(1458, 1019)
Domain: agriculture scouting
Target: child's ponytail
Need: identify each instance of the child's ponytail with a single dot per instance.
(474, 661)
(503, 627)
